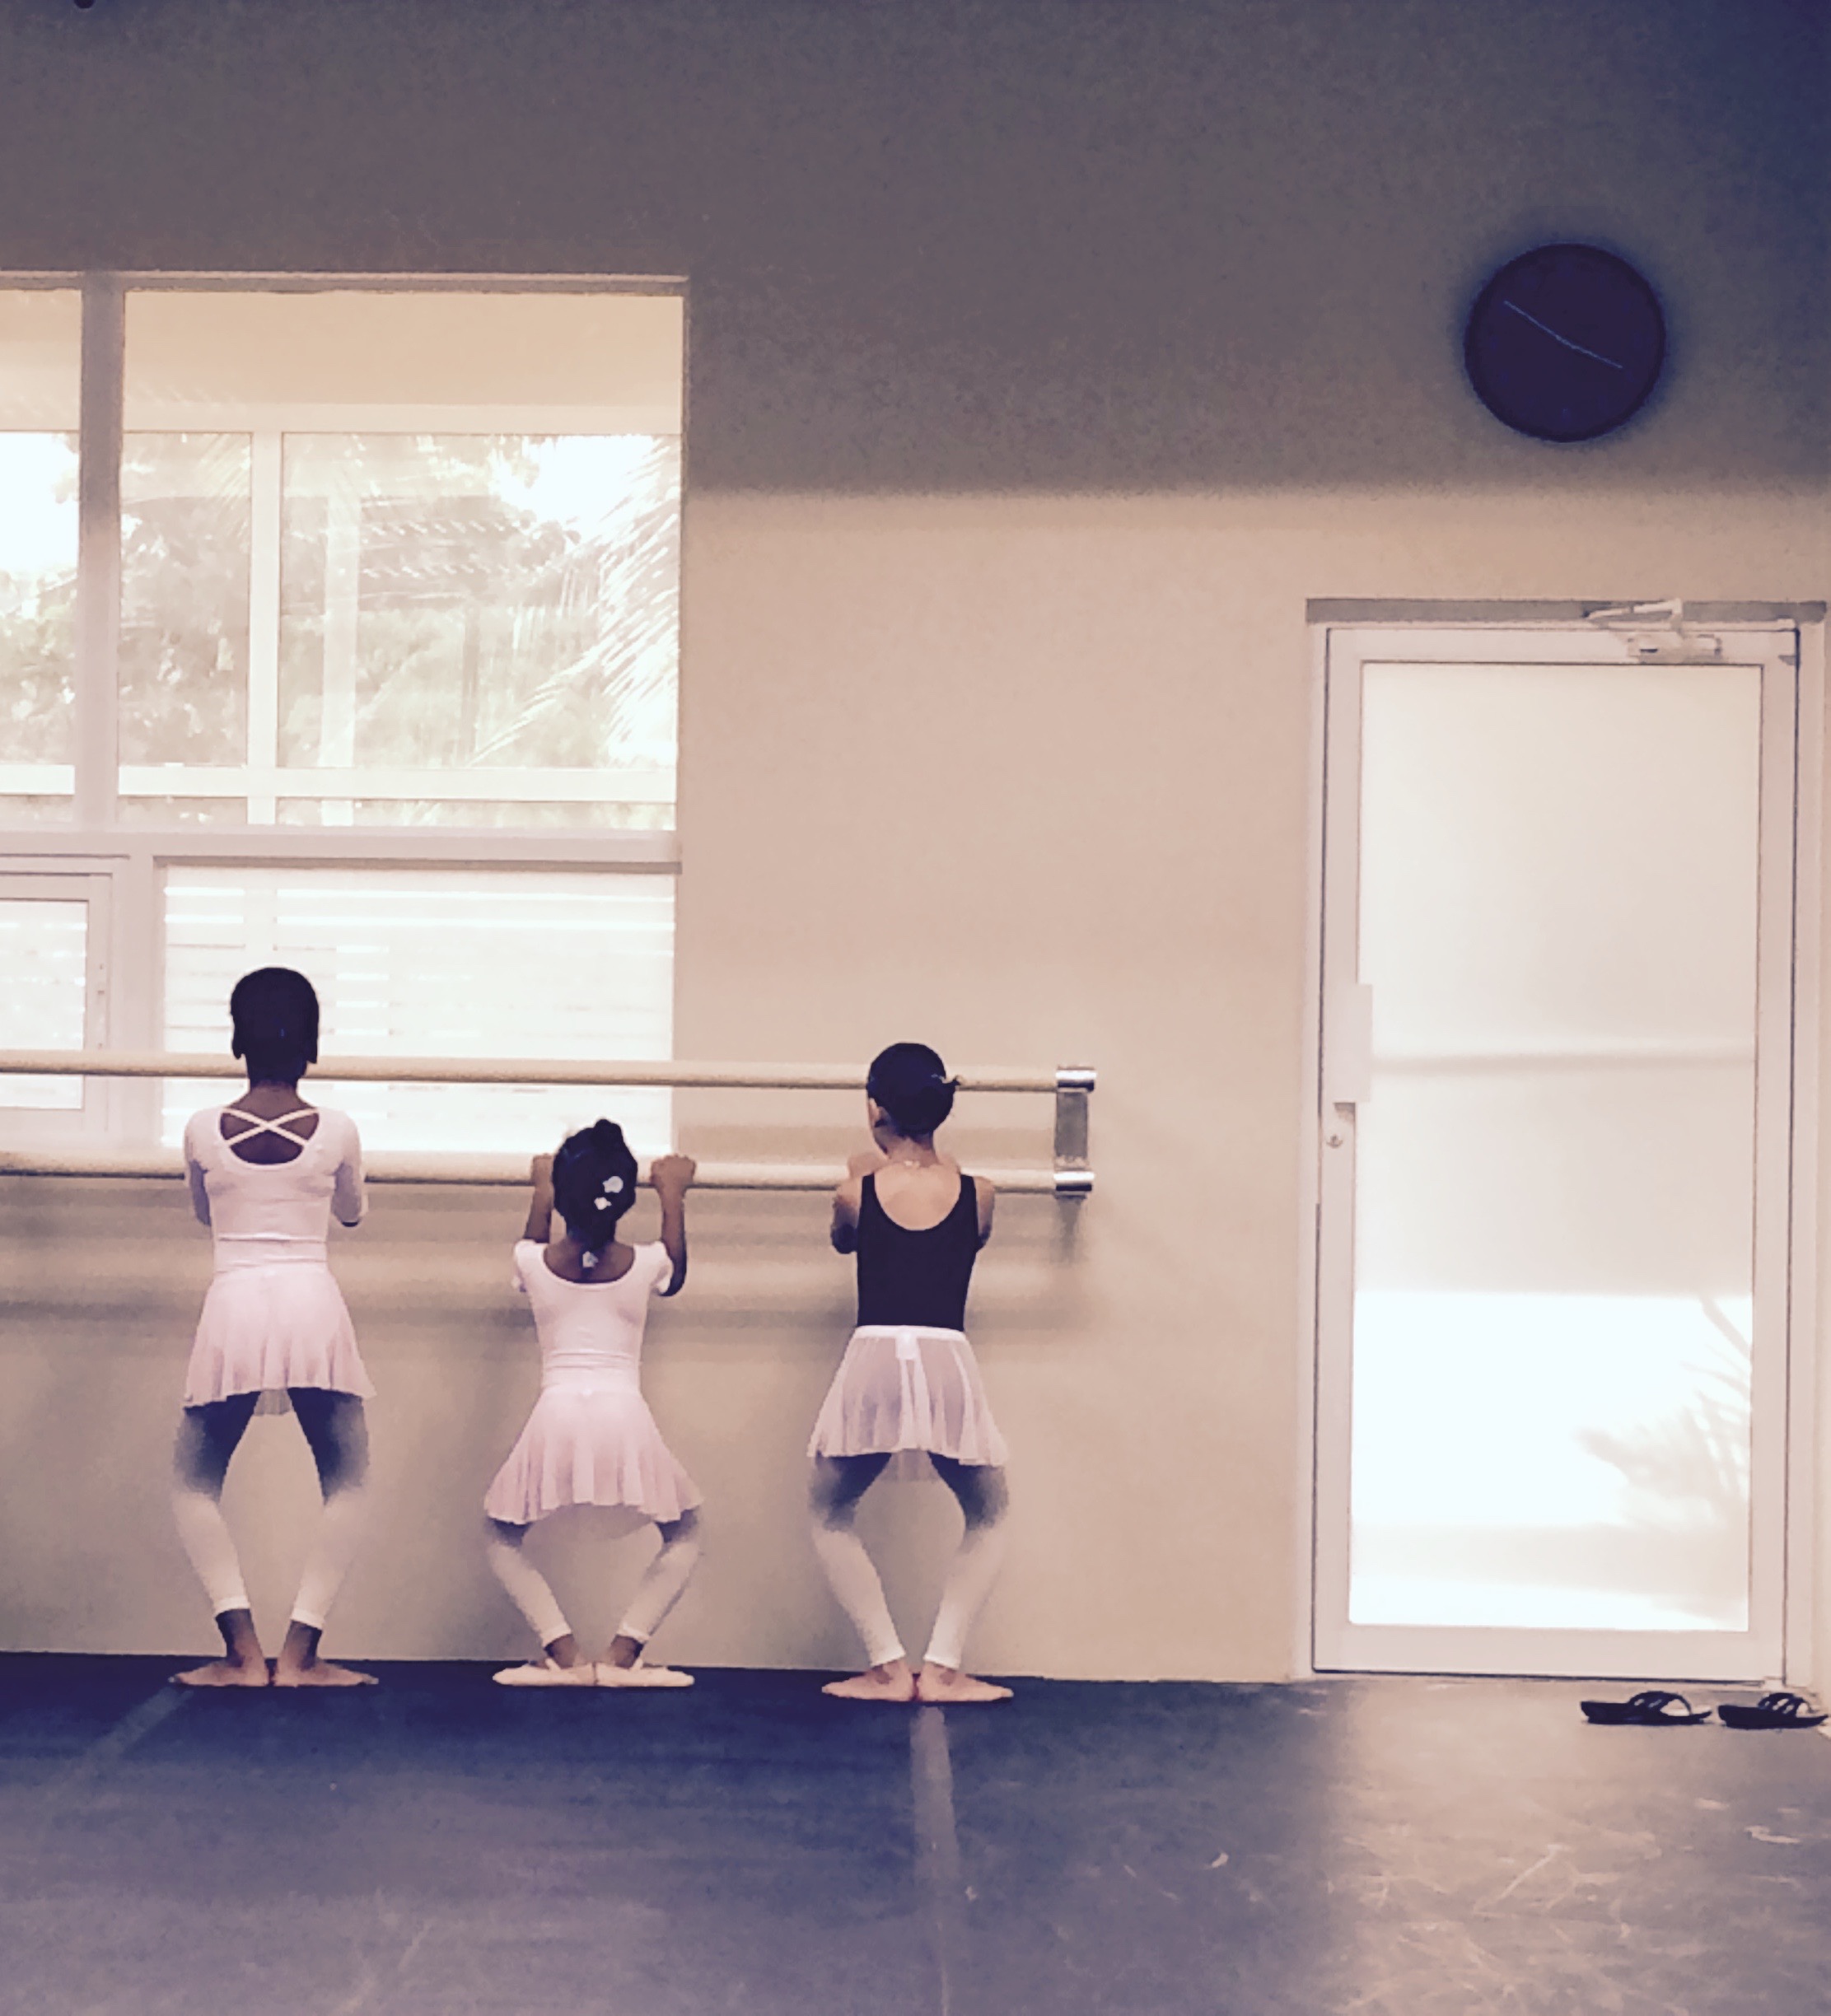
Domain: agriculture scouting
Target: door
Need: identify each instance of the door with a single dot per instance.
(1554, 1185)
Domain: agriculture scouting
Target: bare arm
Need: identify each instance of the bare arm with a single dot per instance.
(848, 1200)
(986, 1192)
(200, 1197)
(348, 1199)
(670, 1176)
(541, 1206)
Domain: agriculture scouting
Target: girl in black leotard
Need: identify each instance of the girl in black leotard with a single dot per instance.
(908, 1386)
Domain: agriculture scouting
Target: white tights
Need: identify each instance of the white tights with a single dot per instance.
(663, 1580)
(205, 1536)
(336, 1430)
(839, 1483)
(207, 1540)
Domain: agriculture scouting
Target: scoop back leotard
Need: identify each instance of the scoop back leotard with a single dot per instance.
(909, 1380)
(591, 1439)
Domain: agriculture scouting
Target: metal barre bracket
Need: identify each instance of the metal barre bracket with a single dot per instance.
(1073, 1179)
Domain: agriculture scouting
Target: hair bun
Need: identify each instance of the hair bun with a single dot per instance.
(910, 1082)
(594, 1183)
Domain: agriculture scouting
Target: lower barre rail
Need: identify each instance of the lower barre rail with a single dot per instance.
(510, 1171)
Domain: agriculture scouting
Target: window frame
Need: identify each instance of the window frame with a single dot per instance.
(131, 860)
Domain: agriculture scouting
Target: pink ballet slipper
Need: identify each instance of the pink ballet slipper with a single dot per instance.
(546, 1673)
(641, 1675)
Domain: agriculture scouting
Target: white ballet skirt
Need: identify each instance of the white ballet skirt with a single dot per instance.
(273, 1316)
(910, 1392)
(591, 1439)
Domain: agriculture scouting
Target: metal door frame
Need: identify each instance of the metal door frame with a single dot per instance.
(1782, 1496)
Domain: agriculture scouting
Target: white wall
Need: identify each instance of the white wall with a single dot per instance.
(1044, 362)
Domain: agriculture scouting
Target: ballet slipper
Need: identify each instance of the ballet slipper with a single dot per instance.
(641, 1675)
(545, 1673)
(893, 1684)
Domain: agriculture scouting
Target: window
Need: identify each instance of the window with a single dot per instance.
(40, 342)
(53, 931)
(457, 962)
(339, 626)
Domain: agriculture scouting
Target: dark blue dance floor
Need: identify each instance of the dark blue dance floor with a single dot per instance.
(439, 1846)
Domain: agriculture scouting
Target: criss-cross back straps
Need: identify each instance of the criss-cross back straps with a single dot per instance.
(258, 1124)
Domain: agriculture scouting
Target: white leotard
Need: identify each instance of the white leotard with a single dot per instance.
(591, 1439)
(278, 1205)
(273, 1316)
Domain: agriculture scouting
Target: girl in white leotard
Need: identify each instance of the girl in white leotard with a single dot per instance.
(266, 1175)
(591, 1439)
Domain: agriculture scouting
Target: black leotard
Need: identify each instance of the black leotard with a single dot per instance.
(916, 1280)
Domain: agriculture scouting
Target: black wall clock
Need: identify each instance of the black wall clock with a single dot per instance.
(1565, 342)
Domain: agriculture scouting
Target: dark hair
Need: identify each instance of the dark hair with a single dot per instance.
(274, 1014)
(910, 1082)
(594, 1183)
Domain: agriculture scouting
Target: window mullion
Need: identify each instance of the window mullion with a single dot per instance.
(263, 627)
(98, 627)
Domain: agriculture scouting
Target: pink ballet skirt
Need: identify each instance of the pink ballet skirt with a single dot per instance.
(268, 1324)
(910, 1392)
(592, 1446)
(591, 1440)
(273, 1316)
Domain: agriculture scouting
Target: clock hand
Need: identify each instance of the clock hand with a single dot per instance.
(1564, 340)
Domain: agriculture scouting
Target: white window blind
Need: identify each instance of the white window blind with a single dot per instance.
(459, 963)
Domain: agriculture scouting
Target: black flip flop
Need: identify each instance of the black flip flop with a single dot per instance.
(1647, 1711)
(1771, 1711)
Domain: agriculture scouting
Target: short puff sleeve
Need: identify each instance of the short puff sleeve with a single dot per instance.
(194, 1165)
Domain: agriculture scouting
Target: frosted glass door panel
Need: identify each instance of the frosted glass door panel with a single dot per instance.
(1555, 1165)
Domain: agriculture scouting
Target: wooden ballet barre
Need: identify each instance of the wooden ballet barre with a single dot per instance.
(526, 1070)
(510, 1171)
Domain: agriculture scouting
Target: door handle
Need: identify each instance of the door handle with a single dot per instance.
(1348, 1048)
